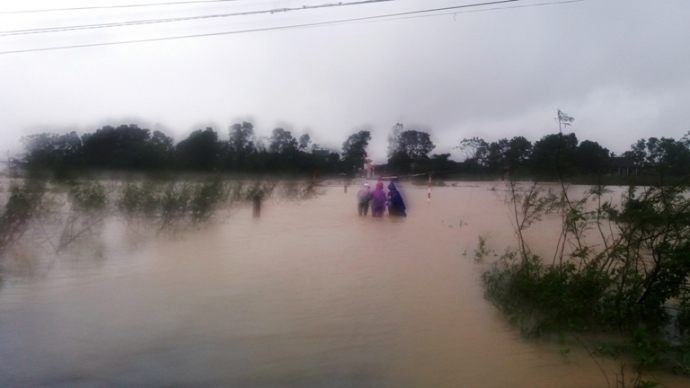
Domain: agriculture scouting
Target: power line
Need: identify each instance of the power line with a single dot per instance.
(115, 6)
(418, 13)
(247, 13)
(488, 9)
(185, 18)
(153, 21)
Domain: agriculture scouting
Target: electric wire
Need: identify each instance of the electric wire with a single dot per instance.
(384, 17)
(247, 13)
(295, 26)
(485, 10)
(187, 18)
(115, 6)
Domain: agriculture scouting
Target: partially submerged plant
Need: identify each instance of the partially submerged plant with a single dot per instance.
(622, 269)
(88, 202)
(23, 204)
(53, 217)
(168, 203)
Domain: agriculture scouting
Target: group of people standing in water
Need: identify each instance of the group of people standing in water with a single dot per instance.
(379, 200)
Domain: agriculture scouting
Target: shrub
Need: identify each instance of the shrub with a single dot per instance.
(634, 280)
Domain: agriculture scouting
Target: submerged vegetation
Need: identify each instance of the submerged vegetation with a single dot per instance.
(621, 269)
(56, 215)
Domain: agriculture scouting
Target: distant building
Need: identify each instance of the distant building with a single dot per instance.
(623, 165)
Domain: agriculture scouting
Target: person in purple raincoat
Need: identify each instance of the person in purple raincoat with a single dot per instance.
(378, 200)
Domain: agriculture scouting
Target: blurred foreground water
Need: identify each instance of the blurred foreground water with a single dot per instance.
(308, 295)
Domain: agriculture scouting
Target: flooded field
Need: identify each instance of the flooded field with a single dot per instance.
(308, 295)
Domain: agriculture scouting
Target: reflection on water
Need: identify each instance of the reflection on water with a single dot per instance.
(308, 295)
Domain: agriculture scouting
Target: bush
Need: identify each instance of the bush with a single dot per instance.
(635, 280)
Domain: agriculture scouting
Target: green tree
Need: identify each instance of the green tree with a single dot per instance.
(282, 141)
(518, 152)
(475, 149)
(496, 155)
(394, 138)
(354, 151)
(592, 158)
(663, 156)
(412, 149)
(668, 156)
(51, 151)
(555, 155)
(416, 144)
(125, 147)
(240, 145)
(508, 155)
(638, 152)
(200, 151)
(304, 141)
(440, 165)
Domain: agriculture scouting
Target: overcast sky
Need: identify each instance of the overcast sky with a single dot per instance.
(621, 68)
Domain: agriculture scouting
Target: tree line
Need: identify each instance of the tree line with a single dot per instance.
(558, 155)
(131, 148)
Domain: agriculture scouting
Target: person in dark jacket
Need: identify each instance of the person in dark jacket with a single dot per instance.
(396, 205)
(378, 200)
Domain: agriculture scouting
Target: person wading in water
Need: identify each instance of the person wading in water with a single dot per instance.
(378, 201)
(396, 206)
(363, 198)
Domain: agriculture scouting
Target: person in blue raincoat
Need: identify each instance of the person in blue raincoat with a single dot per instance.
(396, 205)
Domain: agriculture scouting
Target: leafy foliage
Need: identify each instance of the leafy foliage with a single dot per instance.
(664, 156)
(354, 151)
(634, 280)
(411, 148)
(200, 151)
(555, 154)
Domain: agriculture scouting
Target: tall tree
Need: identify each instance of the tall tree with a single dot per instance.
(554, 155)
(519, 152)
(161, 149)
(394, 138)
(240, 145)
(354, 151)
(496, 155)
(637, 152)
(200, 151)
(416, 144)
(51, 151)
(665, 155)
(592, 158)
(304, 141)
(474, 148)
(440, 165)
(413, 147)
(124, 147)
(282, 141)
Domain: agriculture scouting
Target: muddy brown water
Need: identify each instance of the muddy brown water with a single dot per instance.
(308, 295)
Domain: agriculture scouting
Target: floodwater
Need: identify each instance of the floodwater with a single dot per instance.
(308, 295)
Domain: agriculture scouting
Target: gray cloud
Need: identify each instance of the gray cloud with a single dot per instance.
(619, 67)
